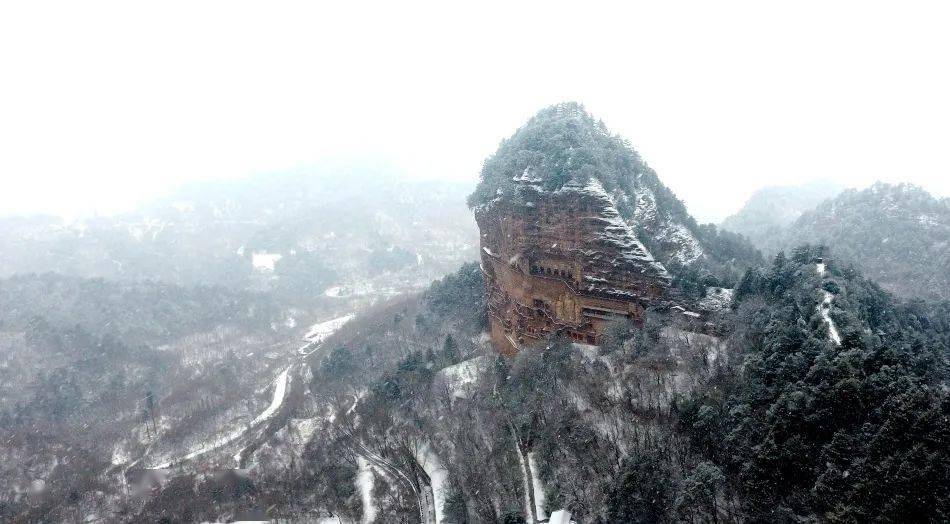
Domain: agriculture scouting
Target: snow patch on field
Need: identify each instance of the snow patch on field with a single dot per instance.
(306, 427)
(589, 351)
(263, 261)
(120, 456)
(321, 331)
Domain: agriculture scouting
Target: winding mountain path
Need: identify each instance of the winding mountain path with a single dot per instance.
(291, 378)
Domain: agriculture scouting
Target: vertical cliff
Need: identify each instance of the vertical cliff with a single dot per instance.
(576, 232)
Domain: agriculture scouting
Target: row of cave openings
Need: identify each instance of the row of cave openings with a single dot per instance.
(577, 336)
(551, 272)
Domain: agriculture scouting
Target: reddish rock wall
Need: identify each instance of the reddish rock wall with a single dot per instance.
(564, 262)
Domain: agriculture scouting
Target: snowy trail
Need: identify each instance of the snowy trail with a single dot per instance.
(538, 487)
(385, 466)
(280, 390)
(429, 504)
(364, 481)
(824, 309)
(280, 393)
(438, 475)
(314, 338)
(532, 485)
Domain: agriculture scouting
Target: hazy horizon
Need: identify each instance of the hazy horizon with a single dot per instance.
(108, 104)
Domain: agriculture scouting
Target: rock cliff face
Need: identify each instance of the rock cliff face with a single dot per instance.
(564, 261)
(566, 213)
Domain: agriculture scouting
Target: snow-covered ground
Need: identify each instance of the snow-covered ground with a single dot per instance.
(280, 388)
(263, 261)
(364, 482)
(716, 299)
(317, 333)
(204, 448)
(459, 377)
(688, 248)
(532, 484)
(120, 455)
(321, 331)
(539, 498)
(617, 231)
(433, 467)
(825, 310)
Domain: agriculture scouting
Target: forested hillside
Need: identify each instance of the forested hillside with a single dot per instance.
(92, 371)
(899, 235)
(262, 350)
(809, 407)
(838, 409)
(825, 399)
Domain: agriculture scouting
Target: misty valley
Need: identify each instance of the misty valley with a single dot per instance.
(560, 342)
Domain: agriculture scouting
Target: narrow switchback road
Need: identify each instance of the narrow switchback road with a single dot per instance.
(289, 383)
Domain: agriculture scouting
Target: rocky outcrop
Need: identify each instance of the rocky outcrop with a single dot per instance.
(576, 232)
(565, 262)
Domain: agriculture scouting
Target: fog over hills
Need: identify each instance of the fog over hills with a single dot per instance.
(302, 234)
(322, 346)
(898, 234)
(771, 209)
(474, 262)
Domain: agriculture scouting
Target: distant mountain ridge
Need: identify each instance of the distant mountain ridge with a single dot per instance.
(771, 209)
(899, 235)
(300, 233)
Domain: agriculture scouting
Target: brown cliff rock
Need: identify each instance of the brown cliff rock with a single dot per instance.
(577, 232)
(563, 262)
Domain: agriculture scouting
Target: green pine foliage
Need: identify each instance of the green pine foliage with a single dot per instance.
(805, 428)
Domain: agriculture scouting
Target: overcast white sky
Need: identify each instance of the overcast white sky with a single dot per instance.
(105, 103)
